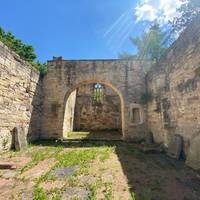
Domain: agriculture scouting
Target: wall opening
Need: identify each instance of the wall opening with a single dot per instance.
(135, 116)
(97, 94)
(68, 124)
(93, 108)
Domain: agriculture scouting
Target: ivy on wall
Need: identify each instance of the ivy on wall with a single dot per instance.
(146, 97)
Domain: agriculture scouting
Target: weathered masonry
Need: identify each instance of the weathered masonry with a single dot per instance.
(125, 78)
(20, 97)
(70, 97)
(175, 85)
(97, 108)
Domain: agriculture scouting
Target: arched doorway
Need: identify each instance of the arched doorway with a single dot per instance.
(93, 105)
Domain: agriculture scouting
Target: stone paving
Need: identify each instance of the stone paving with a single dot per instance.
(64, 173)
(100, 170)
(79, 193)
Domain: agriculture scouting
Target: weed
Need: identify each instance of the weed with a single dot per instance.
(108, 194)
(56, 194)
(133, 197)
(73, 182)
(93, 189)
(40, 155)
(39, 194)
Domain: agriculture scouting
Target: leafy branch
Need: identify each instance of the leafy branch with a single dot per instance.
(25, 51)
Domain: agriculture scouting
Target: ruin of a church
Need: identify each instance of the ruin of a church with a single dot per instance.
(107, 94)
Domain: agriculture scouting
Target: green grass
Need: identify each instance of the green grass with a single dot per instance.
(40, 155)
(77, 135)
(81, 154)
(39, 194)
(108, 194)
(80, 157)
(93, 135)
(75, 157)
(93, 189)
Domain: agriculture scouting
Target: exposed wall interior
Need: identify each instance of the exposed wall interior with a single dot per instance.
(91, 115)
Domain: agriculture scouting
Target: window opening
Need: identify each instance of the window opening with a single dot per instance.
(97, 94)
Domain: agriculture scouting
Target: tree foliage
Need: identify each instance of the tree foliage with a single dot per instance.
(151, 44)
(126, 56)
(188, 11)
(25, 51)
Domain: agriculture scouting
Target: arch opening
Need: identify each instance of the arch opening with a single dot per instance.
(93, 109)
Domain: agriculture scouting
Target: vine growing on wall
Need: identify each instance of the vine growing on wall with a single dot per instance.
(25, 51)
(146, 98)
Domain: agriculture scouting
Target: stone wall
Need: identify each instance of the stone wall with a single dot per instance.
(46, 108)
(68, 124)
(93, 116)
(125, 77)
(20, 97)
(175, 86)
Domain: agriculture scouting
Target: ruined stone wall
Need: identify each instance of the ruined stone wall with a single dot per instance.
(20, 97)
(175, 86)
(125, 77)
(92, 116)
(68, 124)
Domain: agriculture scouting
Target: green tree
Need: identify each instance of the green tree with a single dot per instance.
(126, 56)
(25, 51)
(188, 11)
(9, 40)
(42, 67)
(2, 34)
(17, 46)
(28, 53)
(152, 44)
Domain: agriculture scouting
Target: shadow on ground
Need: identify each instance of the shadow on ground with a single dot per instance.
(150, 176)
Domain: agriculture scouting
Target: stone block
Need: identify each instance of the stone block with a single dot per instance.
(175, 146)
(149, 138)
(19, 138)
(64, 173)
(75, 193)
(193, 155)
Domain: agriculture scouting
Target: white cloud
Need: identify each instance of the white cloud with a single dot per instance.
(162, 10)
(145, 12)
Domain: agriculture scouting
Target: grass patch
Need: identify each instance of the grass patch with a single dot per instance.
(40, 155)
(56, 194)
(39, 194)
(80, 157)
(75, 157)
(93, 189)
(108, 194)
(90, 135)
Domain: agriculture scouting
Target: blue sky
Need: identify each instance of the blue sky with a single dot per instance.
(77, 29)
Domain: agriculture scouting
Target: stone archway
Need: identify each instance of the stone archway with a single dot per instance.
(70, 91)
(125, 77)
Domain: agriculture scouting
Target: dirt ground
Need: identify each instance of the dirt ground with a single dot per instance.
(95, 170)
